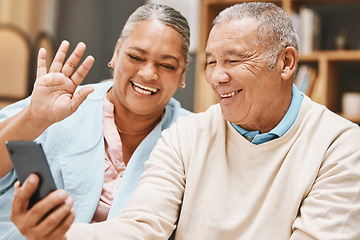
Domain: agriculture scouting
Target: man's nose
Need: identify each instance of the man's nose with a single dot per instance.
(219, 76)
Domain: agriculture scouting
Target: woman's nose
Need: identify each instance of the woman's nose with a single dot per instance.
(148, 71)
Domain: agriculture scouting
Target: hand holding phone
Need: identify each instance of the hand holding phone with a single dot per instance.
(28, 157)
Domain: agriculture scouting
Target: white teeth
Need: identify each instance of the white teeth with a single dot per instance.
(230, 94)
(144, 90)
(139, 90)
(154, 90)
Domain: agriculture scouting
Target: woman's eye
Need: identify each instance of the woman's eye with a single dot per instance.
(167, 66)
(133, 57)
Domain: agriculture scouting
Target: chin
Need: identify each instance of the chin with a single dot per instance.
(234, 115)
(227, 114)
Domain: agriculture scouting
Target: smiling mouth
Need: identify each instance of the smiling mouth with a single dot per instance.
(230, 94)
(143, 89)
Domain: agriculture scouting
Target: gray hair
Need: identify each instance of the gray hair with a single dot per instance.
(164, 14)
(275, 31)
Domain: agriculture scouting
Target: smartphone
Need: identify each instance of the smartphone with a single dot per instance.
(28, 157)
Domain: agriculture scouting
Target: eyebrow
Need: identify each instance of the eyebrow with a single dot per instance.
(231, 53)
(170, 57)
(166, 56)
(207, 54)
(138, 49)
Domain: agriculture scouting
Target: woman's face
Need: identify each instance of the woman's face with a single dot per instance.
(148, 67)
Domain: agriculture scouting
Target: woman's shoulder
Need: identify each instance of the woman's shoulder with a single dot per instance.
(175, 106)
(12, 109)
(173, 111)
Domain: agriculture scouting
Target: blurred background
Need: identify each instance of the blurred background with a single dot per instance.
(329, 30)
(45, 23)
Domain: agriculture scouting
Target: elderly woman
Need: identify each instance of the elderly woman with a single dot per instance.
(97, 137)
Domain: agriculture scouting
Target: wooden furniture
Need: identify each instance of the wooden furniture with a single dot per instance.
(328, 63)
(18, 60)
(15, 54)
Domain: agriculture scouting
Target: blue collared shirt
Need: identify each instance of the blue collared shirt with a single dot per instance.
(288, 120)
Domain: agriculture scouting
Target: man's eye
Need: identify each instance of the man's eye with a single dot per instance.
(210, 62)
(133, 57)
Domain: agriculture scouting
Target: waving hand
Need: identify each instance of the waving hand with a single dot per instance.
(54, 97)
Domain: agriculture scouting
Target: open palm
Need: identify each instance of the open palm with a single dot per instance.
(54, 97)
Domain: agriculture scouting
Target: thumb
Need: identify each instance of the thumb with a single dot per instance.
(80, 96)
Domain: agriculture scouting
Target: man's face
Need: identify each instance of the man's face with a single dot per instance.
(238, 72)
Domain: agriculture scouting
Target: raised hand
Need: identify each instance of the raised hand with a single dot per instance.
(54, 98)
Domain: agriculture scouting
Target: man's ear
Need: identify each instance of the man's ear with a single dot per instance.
(289, 60)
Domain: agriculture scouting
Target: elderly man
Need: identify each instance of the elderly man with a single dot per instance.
(264, 163)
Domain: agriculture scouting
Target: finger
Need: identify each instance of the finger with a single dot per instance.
(61, 230)
(60, 56)
(43, 207)
(17, 185)
(55, 219)
(41, 63)
(23, 194)
(80, 96)
(83, 70)
(74, 59)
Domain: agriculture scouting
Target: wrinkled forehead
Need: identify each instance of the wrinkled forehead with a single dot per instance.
(235, 32)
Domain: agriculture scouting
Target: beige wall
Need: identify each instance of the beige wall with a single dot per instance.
(31, 16)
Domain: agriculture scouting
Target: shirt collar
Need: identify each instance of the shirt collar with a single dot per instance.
(285, 124)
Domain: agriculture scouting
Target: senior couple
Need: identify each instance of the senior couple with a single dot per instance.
(266, 162)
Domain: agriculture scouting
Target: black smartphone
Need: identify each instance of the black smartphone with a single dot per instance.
(28, 157)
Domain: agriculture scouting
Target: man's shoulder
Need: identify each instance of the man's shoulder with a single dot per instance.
(210, 119)
(320, 117)
(212, 111)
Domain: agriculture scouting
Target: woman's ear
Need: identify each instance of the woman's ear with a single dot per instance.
(289, 63)
(183, 76)
(116, 52)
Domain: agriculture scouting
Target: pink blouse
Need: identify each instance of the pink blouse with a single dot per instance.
(114, 163)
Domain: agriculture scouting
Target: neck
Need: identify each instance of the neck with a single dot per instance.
(271, 120)
(271, 117)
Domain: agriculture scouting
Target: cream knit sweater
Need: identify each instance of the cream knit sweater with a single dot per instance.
(212, 183)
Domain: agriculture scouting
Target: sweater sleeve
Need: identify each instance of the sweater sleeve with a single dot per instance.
(154, 208)
(331, 210)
